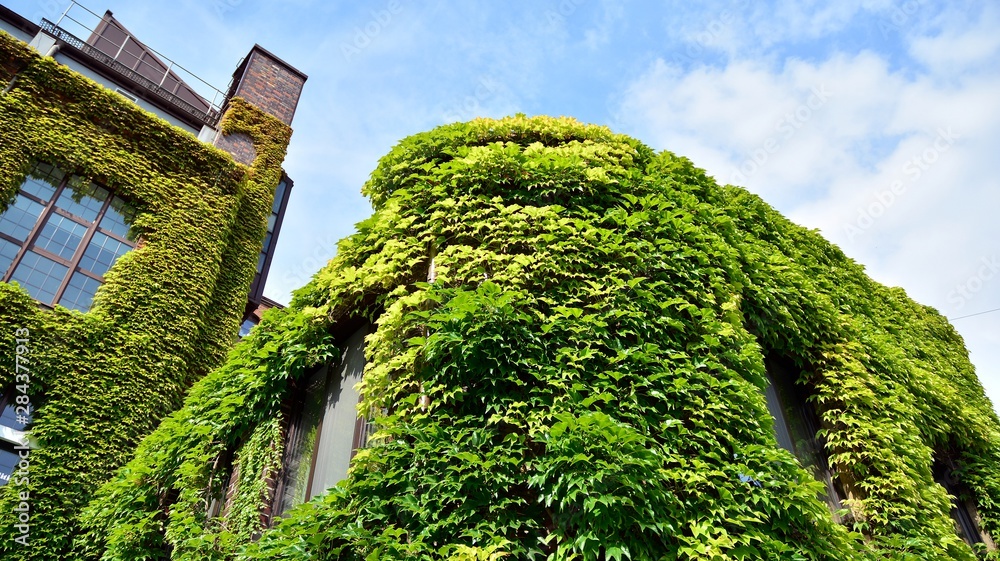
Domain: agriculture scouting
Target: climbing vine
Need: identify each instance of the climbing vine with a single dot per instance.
(168, 311)
(582, 378)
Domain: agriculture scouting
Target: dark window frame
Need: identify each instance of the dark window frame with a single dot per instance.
(294, 428)
(964, 515)
(8, 395)
(282, 193)
(293, 423)
(50, 208)
(801, 423)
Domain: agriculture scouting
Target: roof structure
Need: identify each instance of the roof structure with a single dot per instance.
(113, 39)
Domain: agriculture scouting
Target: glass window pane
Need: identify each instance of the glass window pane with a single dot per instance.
(9, 417)
(102, 253)
(260, 262)
(82, 198)
(271, 222)
(80, 291)
(279, 196)
(246, 327)
(781, 431)
(8, 251)
(267, 242)
(118, 218)
(8, 461)
(301, 443)
(20, 218)
(40, 276)
(43, 181)
(60, 236)
(340, 415)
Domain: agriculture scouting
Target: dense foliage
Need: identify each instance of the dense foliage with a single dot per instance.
(167, 315)
(591, 347)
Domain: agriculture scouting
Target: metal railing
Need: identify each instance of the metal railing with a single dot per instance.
(135, 74)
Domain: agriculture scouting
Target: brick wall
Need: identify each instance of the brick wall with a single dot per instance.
(239, 146)
(271, 85)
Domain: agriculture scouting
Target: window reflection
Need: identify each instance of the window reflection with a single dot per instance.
(79, 294)
(322, 435)
(52, 218)
(40, 276)
(118, 218)
(43, 181)
(82, 198)
(12, 426)
(797, 426)
(20, 218)
(60, 236)
(8, 251)
(301, 444)
(102, 252)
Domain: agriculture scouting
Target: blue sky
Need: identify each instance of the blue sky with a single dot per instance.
(875, 122)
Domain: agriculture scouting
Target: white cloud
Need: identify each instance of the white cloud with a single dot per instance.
(967, 40)
(898, 167)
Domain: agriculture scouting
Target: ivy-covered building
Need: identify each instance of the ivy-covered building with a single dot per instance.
(137, 225)
(571, 347)
(562, 345)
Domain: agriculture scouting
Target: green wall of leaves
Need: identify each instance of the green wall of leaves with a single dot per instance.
(169, 311)
(592, 348)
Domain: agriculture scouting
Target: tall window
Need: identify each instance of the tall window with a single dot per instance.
(963, 509)
(323, 434)
(272, 221)
(13, 420)
(796, 427)
(60, 236)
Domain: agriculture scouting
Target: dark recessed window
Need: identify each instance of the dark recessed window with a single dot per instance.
(14, 419)
(963, 509)
(272, 221)
(61, 235)
(796, 427)
(8, 462)
(323, 431)
(245, 328)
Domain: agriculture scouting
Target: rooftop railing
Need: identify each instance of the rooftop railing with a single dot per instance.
(140, 65)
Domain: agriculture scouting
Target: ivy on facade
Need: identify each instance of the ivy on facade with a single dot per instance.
(583, 378)
(168, 311)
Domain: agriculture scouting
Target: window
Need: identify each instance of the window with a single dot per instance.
(222, 483)
(12, 425)
(796, 428)
(246, 326)
(963, 509)
(279, 197)
(61, 235)
(127, 95)
(322, 434)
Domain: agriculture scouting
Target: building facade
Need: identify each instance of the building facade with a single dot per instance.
(113, 57)
(137, 225)
(572, 347)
